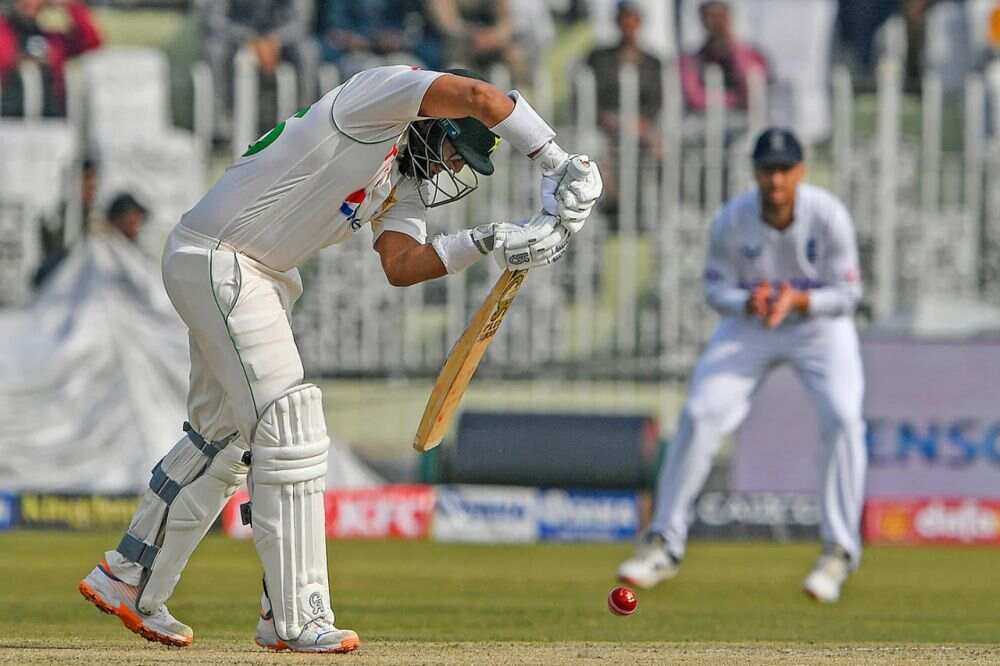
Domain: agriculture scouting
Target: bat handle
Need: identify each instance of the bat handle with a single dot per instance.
(578, 167)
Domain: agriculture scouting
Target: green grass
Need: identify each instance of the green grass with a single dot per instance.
(404, 591)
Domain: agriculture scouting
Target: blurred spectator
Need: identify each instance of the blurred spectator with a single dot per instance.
(606, 64)
(358, 34)
(724, 49)
(23, 38)
(274, 30)
(127, 216)
(480, 34)
(534, 29)
(994, 32)
(860, 20)
(915, 15)
(54, 231)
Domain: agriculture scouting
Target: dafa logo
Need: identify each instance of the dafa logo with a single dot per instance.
(77, 512)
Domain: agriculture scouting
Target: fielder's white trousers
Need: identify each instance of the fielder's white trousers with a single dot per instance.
(238, 312)
(826, 356)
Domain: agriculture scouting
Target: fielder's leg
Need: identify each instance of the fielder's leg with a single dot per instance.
(288, 480)
(829, 365)
(721, 386)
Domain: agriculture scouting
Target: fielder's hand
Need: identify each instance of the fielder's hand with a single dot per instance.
(571, 185)
(538, 241)
(759, 303)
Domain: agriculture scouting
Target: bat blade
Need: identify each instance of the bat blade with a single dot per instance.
(463, 360)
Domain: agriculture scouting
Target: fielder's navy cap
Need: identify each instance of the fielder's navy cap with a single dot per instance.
(777, 147)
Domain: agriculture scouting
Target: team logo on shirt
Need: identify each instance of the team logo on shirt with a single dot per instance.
(811, 250)
(752, 251)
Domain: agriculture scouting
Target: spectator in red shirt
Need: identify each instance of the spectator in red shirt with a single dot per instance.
(23, 39)
(721, 48)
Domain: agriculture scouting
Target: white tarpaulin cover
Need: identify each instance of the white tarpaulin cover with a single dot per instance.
(93, 378)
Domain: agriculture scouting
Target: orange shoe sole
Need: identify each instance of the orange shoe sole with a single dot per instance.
(346, 645)
(131, 620)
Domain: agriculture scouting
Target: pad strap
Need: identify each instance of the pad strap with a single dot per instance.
(210, 449)
(144, 553)
(138, 551)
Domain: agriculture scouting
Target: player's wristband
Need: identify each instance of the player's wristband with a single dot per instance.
(457, 251)
(524, 129)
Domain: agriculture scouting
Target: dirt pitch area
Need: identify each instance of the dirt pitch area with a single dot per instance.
(386, 653)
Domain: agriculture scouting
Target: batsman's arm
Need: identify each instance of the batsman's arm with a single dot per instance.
(509, 116)
(406, 261)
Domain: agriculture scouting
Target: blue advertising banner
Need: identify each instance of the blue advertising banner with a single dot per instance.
(587, 515)
(8, 511)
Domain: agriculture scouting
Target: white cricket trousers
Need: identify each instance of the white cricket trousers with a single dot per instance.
(238, 312)
(826, 356)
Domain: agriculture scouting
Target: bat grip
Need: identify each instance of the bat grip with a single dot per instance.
(578, 167)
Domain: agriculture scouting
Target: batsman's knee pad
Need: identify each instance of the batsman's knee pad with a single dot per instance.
(188, 489)
(287, 482)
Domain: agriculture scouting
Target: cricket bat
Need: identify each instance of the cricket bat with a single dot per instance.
(463, 360)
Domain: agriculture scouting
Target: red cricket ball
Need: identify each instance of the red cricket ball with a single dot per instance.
(622, 601)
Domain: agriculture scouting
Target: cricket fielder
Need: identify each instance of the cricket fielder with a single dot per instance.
(782, 271)
(378, 150)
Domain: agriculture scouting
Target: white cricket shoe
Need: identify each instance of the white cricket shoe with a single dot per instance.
(824, 581)
(650, 565)
(318, 636)
(116, 597)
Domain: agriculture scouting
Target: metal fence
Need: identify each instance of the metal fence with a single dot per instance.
(627, 302)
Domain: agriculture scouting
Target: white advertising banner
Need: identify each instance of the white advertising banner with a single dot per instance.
(933, 424)
(486, 514)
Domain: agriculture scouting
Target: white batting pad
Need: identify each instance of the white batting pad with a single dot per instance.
(186, 493)
(190, 516)
(288, 478)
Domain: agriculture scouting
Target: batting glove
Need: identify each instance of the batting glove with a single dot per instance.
(538, 241)
(571, 185)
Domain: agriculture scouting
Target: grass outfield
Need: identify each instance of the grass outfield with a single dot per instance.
(436, 603)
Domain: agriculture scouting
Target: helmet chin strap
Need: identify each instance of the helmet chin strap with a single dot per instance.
(425, 150)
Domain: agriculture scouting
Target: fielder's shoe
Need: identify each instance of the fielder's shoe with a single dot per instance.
(318, 636)
(117, 597)
(824, 581)
(650, 565)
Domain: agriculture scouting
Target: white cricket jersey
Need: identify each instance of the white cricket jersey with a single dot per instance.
(322, 174)
(817, 252)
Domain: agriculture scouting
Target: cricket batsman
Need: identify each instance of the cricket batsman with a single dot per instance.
(377, 151)
(782, 271)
